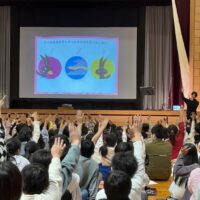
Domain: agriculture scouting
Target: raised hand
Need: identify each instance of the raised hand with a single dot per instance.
(103, 123)
(135, 128)
(74, 134)
(2, 101)
(47, 120)
(35, 116)
(57, 148)
(193, 115)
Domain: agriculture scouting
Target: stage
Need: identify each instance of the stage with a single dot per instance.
(118, 117)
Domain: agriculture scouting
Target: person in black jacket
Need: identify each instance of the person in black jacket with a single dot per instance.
(191, 103)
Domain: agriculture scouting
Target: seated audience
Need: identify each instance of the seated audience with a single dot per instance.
(88, 170)
(107, 153)
(158, 156)
(176, 137)
(38, 183)
(29, 149)
(41, 156)
(13, 148)
(117, 186)
(10, 181)
(145, 130)
(193, 184)
(70, 160)
(186, 162)
(132, 163)
(124, 147)
(3, 150)
(62, 169)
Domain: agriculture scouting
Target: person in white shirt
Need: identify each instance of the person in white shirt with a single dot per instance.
(38, 183)
(13, 148)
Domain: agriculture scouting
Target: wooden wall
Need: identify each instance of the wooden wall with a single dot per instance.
(194, 57)
(119, 117)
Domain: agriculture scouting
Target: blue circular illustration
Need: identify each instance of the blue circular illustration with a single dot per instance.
(76, 67)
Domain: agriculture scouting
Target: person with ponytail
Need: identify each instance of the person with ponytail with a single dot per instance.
(176, 136)
(186, 162)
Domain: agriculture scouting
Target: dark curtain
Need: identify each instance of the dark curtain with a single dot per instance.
(183, 9)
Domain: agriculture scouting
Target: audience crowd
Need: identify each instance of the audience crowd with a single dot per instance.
(90, 158)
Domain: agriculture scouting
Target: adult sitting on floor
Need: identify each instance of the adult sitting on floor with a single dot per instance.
(158, 156)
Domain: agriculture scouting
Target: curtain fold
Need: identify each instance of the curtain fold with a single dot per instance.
(158, 55)
(5, 53)
(183, 59)
(183, 11)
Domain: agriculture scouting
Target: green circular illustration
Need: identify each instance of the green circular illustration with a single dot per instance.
(102, 68)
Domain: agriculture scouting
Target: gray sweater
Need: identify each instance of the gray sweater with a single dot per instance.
(88, 171)
(68, 165)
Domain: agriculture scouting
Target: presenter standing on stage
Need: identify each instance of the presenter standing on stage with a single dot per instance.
(192, 104)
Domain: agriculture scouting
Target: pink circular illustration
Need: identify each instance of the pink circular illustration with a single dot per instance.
(49, 67)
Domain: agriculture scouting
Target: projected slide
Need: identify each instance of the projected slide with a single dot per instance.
(76, 65)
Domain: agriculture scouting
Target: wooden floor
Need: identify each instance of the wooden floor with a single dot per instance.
(162, 190)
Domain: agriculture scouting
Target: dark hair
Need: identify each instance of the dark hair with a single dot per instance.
(194, 93)
(111, 139)
(41, 143)
(13, 145)
(117, 186)
(42, 157)
(103, 150)
(118, 133)
(19, 127)
(197, 127)
(24, 134)
(84, 130)
(10, 181)
(66, 196)
(123, 147)
(87, 148)
(66, 142)
(42, 126)
(165, 133)
(192, 156)
(35, 179)
(66, 131)
(145, 129)
(189, 159)
(52, 134)
(126, 162)
(158, 131)
(30, 148)
(172, 131)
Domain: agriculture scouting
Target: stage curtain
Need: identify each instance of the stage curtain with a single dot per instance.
(5, 52)
(183, 11)
(158, 55)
